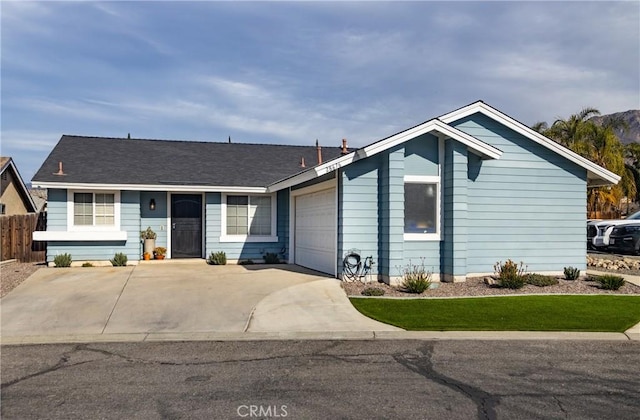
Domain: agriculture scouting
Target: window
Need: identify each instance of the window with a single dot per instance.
(248, 215)
(94, 209)
(422, 208)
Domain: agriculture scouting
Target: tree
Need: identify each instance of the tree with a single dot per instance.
(599, 144)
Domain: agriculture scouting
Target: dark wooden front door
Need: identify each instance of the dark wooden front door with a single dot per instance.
(186, 226)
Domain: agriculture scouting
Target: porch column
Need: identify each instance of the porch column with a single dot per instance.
(455, 219)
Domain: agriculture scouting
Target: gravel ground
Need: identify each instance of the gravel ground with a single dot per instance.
(477, 287)
(14, 273)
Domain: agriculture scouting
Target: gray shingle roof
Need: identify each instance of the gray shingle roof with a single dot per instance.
(101, 160)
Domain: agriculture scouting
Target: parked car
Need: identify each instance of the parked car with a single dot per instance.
(625, 238)
(598, 231)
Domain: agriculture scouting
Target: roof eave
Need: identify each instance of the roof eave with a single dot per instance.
(474, 145)
(606, 176)
(147, 187)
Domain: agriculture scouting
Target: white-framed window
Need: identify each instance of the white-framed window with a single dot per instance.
(248, 218)
(93, 210)
(422, 208)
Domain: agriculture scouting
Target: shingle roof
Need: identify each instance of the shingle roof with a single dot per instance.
(100, 160)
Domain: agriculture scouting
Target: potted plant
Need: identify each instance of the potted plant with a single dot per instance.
(159, 252)
(146, 256)
(149, 238)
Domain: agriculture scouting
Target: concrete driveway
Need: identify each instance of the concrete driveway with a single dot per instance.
(178, 297)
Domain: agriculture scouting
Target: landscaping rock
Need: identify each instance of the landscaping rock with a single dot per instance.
(489, 281)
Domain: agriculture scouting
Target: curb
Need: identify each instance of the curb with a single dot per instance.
(312, 335)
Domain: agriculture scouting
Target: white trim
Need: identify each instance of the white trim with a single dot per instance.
(427, 179)
(432, 126)
(248, 238)
(71, 227)
(321, 186)
(592, 169)
(86, 235)
(474, 145)
(324, 185)
(154, 187)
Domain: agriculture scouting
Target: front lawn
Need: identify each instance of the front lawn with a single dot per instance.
(513, 313)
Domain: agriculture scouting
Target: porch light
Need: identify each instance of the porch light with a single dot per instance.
(152, 204)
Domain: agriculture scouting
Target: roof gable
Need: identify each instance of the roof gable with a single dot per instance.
(596, 174)
(434, 126)
(7, 164)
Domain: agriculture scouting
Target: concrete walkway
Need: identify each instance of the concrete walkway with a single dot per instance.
(192, 301)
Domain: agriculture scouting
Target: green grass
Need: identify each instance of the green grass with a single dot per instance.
(514, 313)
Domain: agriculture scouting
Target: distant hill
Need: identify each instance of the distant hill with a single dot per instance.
(632, 118)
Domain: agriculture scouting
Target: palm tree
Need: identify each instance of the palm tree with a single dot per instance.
(569, 131)
(599, 144)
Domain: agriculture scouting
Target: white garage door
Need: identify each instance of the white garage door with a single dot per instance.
(315, 230)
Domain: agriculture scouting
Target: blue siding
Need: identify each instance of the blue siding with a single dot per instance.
(421, 156)
(156, 219)
(391, 211)
(358, 210)
(57, 210)
(455, 210)
(529, 205)
(130, 222)
(100, 250)
(250, 250)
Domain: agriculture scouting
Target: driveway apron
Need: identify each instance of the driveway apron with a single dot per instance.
(63, 300)
(194, 297)
(170, 297)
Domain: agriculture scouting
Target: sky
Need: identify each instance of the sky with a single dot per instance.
(294, 72)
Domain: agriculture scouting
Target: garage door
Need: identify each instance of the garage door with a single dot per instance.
(315, 230)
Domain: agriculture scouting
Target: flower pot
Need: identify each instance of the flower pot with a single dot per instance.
(147, 256)
(159, 257)
(149, 246)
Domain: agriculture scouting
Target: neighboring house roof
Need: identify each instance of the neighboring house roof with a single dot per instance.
(7, 164)
(596, 175)
(39, 197)
(101, 162)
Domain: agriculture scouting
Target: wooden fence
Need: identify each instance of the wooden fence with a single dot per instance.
(16, 237)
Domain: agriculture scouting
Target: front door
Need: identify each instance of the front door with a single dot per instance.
(186, 226)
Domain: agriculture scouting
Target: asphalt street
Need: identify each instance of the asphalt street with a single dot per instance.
(405, 379)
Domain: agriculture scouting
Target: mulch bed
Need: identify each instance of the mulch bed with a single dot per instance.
(477, 287)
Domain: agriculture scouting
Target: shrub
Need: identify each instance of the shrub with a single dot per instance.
(415, 278)
(271, 258)
(540, 280)
(217, 258)
(62, 260)
(119, 260)
(510, 275)
(571, 273)
(87, 264)
(372, 291)
(610, 281)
